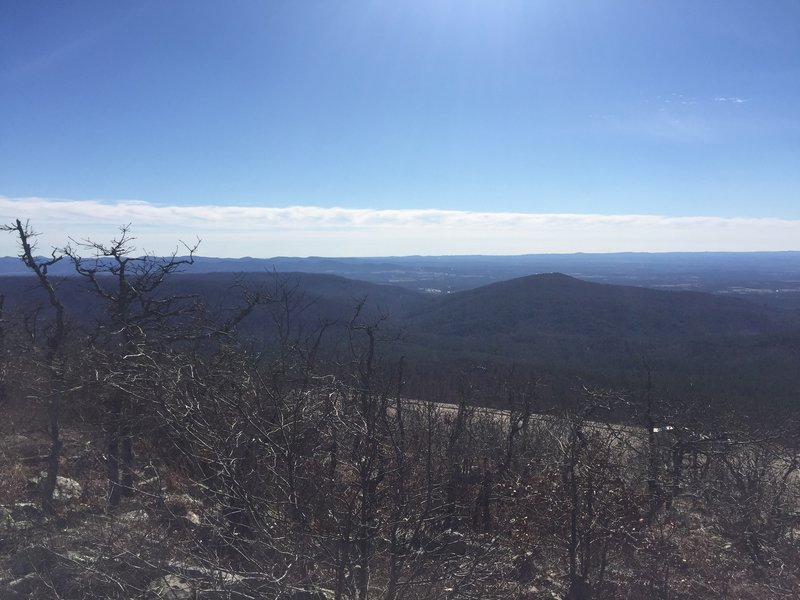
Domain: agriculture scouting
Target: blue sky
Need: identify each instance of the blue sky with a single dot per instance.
(339, 128)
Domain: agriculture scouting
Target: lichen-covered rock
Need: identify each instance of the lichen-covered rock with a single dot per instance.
(67, 489)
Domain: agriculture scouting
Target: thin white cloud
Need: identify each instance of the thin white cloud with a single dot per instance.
(312, 230)
(679, 121)
(677, 118)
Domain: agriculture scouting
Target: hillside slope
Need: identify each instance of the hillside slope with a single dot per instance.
(557, 304)
(716, 345)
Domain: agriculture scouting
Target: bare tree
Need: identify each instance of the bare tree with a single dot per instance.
(588, 474)
(129, 286)
(55, 338)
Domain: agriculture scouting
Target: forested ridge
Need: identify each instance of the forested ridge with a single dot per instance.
(172, 435)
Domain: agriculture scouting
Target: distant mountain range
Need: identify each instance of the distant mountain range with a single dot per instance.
(735, 349)
(770, 276)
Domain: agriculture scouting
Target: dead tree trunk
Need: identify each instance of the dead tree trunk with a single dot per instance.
(55, 339)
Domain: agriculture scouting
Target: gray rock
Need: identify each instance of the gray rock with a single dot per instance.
(218, 576)
(171, 587)
(66, 488)
(134, 517)
(192, 518)
(12, 519)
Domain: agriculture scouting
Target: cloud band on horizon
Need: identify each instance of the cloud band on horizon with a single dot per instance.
(233, 231)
